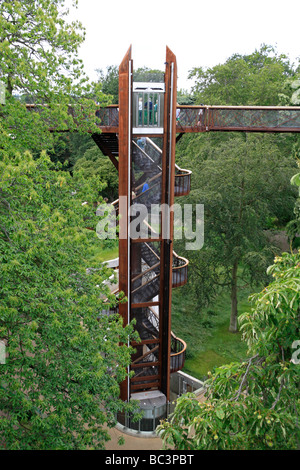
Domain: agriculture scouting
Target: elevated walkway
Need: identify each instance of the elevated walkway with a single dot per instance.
(221, 118)
(205, 119)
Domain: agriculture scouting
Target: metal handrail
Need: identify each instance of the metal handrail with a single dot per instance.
(145, 272)
(182, 171)
(194, 118)
(177, 341)
(184, 261)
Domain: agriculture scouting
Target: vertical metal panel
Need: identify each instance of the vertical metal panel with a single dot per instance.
(124, 187)
(168, 190)
(128, 204)
(166, 195)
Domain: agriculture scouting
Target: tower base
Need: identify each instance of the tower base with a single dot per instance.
(155, 406)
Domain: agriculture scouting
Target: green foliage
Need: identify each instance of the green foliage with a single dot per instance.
(40, 64)
(94, 165)
(109, 82)
(69, 147)
(255, 79)
(144, 74)
(252, 405)
(242, 184)
(185, 98)
(60, 383)
(242, 180)
(36, 45)
(293, 226)
(291, 92)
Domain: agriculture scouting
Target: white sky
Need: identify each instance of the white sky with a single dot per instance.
(200, 33)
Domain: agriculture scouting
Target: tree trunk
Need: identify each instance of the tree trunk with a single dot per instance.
(233, 328)
(9, 85)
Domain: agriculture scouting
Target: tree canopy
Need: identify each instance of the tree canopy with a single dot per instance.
(93, 164)
(39, 64)
(242, 179)
(253, 405)
(65, 359)
(244, 185)
(255, 79)
(60, 382)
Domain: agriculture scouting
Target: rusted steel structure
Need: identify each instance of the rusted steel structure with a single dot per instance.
(139, 136)
(142, 130)
(145, 141)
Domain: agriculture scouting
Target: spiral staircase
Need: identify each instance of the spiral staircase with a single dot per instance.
(145, 281)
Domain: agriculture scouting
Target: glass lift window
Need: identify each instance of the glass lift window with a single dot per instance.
(148, 105)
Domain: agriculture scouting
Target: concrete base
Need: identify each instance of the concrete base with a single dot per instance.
(183, 383)
(155, 406)
(153, 403)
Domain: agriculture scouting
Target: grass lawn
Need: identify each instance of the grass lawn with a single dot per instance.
(107, 254)
(209, 343)
(101, 251)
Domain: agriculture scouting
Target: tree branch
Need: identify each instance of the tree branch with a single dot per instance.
(279, 392)
(244, 377)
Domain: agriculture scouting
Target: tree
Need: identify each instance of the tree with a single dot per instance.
(109, 82)
(39, 64)
(65, 359)
(252, 405)
(233, 176)
(93, 164)
(255, 79)
(185, 98)
(243, 184)
(145, 74)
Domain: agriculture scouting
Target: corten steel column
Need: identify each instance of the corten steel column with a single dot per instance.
(127, 263)
(168, 198)
(125, 126)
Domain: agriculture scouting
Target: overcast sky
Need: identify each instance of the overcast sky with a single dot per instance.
(200, 33)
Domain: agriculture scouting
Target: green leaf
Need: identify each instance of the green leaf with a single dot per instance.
(220, 413)
(295, 180)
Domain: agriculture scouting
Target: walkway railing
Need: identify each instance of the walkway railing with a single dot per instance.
(179, 270)
(238, 118)
(223, 118)
(198, 118)
(178, 346)
(182, 181)
(109, 117)
(178, 349)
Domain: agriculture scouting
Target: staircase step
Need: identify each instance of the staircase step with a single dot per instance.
(108, 143)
